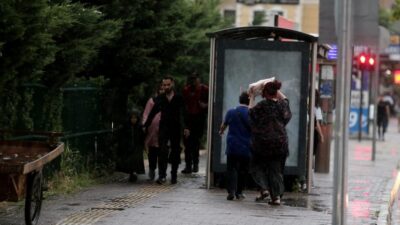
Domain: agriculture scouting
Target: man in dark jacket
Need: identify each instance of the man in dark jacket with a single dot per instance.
(170, 105)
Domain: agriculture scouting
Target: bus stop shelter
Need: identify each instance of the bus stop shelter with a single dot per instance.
(243, 55)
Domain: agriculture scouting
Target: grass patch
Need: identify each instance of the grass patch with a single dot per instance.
(74, 174)
(65, 184)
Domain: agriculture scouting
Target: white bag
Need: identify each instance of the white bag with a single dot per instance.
(257, 87)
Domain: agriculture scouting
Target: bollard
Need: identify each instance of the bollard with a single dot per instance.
(322, 156)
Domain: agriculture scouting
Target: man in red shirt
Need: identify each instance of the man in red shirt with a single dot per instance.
(195, 96)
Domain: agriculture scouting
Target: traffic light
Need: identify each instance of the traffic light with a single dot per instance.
(397, 76)
(362, 59)
(354, 66)
(366, 62)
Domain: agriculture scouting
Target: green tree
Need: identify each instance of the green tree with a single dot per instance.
(46, 42)
(79, 32)
(25, 49)
(396, 10)
(146, 48)
(385, 18)
(202, 16)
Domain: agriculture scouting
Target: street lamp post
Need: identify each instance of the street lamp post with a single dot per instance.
(343, 79)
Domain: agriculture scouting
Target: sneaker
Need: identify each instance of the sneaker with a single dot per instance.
(161, 180)
(230, 197)
(240, 196)
(195, 168)
(152, 175)
(186, 171)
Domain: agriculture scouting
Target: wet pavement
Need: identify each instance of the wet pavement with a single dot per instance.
(190, 203)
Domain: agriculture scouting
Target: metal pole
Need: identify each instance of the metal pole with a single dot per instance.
(342, 112)
(375, 92)
(210, 110)
(310, 157)
(370, 97)
(360, 112)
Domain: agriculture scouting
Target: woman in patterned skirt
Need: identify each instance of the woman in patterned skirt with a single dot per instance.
(269, 140)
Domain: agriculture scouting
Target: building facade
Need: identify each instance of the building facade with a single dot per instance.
(304, 13)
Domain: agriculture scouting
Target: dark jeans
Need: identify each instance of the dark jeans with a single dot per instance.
(154, 153)
(192, 142)
(170, 150)
(237, 171)
(382, 125)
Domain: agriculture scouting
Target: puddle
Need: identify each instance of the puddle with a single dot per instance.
(64, 209)
(304, 203)
(73, 204)
(299, 202)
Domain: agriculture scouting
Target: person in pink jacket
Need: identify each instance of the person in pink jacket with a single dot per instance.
(151, 140)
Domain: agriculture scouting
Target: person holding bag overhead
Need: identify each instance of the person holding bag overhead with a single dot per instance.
(268, 119)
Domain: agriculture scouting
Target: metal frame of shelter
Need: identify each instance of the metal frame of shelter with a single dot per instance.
(261, 38)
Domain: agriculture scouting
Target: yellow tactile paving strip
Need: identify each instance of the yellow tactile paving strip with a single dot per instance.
(94, 214)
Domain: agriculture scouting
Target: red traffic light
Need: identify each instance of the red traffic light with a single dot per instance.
(371, 61)
(362, 59)
(366, 61)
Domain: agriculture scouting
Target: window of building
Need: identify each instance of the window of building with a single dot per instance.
(252, 2)
(230, 15)
(259, 17)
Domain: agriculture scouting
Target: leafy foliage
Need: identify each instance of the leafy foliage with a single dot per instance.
(125, 45)
(24, 51)
(396, 10)
(385, 18)
(79, 32)
(47, 42)
(202, 16)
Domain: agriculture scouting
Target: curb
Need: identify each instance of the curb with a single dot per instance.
(391, 190)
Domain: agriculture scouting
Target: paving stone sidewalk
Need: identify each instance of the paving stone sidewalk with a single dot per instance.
(189, 203)
(369, 185)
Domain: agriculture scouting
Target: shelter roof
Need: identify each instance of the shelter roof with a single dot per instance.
(261, 32)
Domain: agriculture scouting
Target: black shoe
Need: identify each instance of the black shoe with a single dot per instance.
(195, 168)
(161, 180)
(152, 175)
(174, 180)
(230, 197)
(186, 171)
(174, 177)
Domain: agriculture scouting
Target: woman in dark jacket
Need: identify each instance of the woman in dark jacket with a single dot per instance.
(130, 147)
(269, 141)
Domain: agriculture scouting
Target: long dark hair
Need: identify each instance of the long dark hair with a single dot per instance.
(271, 88)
